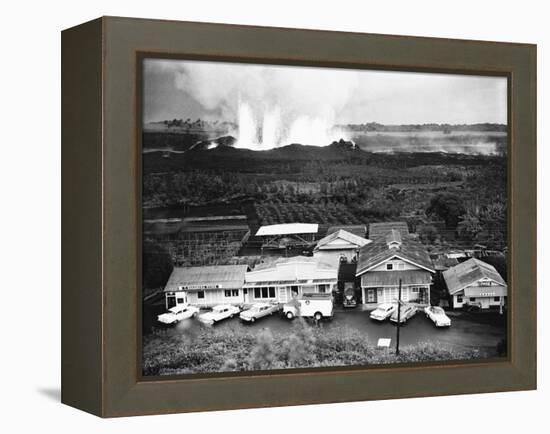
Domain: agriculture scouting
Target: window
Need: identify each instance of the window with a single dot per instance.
(227, 293)
(389, 266)
(415, 289)
(322, 288)
(459, 299)
(263, 292)
(472, 299)
(234, 292)
(200, 294)
(496, 299)
(180, 300)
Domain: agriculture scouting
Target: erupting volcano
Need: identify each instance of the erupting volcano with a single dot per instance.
(269, 128)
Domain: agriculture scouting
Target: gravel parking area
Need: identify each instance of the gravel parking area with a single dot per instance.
(468, 330)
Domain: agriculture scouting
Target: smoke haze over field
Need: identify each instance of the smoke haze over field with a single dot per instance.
(278, 105)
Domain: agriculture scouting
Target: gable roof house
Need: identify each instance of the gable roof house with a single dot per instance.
(390, 259)
(475, 282)
(337, 245)
(206, 286)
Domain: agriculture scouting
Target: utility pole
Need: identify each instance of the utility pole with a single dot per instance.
(398, 320)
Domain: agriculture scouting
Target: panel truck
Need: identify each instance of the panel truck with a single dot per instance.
(315, 305)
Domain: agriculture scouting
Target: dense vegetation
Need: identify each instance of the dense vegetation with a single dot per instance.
(340, 184)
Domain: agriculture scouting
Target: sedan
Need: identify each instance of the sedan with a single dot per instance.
(178, 313)
(383, 311)
(438, 316)
(259, 310)
(407, 312)
(219, 313)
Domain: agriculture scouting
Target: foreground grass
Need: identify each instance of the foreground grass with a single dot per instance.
(173, 352)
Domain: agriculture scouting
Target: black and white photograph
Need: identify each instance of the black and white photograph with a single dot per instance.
(317, 217)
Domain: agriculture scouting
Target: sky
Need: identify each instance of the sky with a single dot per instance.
(219, 90)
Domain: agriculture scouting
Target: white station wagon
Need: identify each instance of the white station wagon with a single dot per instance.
(383, 311)
(407, 312)
(219, 313)
(259, 310)
(178, 313)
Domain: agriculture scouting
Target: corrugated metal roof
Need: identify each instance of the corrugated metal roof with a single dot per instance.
(469, 272)
(379, 251)
(381, 229)
(288, 229)
(225, 276)
(359, 230)
(353, 241)
(292, 269)
(391, 278)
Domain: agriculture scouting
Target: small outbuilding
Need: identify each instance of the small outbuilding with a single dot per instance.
(475, 283)
(287, 235)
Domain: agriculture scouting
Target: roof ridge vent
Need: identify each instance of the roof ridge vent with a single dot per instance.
(393, 239)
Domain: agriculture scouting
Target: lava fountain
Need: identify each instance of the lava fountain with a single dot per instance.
(265, 129)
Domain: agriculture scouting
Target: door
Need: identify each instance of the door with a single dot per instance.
(294, 291)
(170, 301)
(283, 297)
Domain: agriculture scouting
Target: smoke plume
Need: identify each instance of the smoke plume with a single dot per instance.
(272, 105)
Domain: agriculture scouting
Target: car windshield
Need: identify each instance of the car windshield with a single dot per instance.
(437, 310)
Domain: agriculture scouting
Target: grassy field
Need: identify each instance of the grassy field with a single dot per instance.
(168, 352)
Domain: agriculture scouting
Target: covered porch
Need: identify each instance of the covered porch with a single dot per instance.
(383, 287)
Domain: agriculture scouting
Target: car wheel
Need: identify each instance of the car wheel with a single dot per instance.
(318, 316)
(289, 315)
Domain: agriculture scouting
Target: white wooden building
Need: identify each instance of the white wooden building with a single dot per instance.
(282, 279)
(390, 259)
(337, 245)
(475, 282)
(206, 286)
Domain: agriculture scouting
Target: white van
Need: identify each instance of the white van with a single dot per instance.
(317, 305)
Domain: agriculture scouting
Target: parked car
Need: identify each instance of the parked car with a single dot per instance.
(438, 316)
(219, 313)
(259, 310)
(383, 311)
(316, 305)
(407, 312)
(178, 313)
(349, 298)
